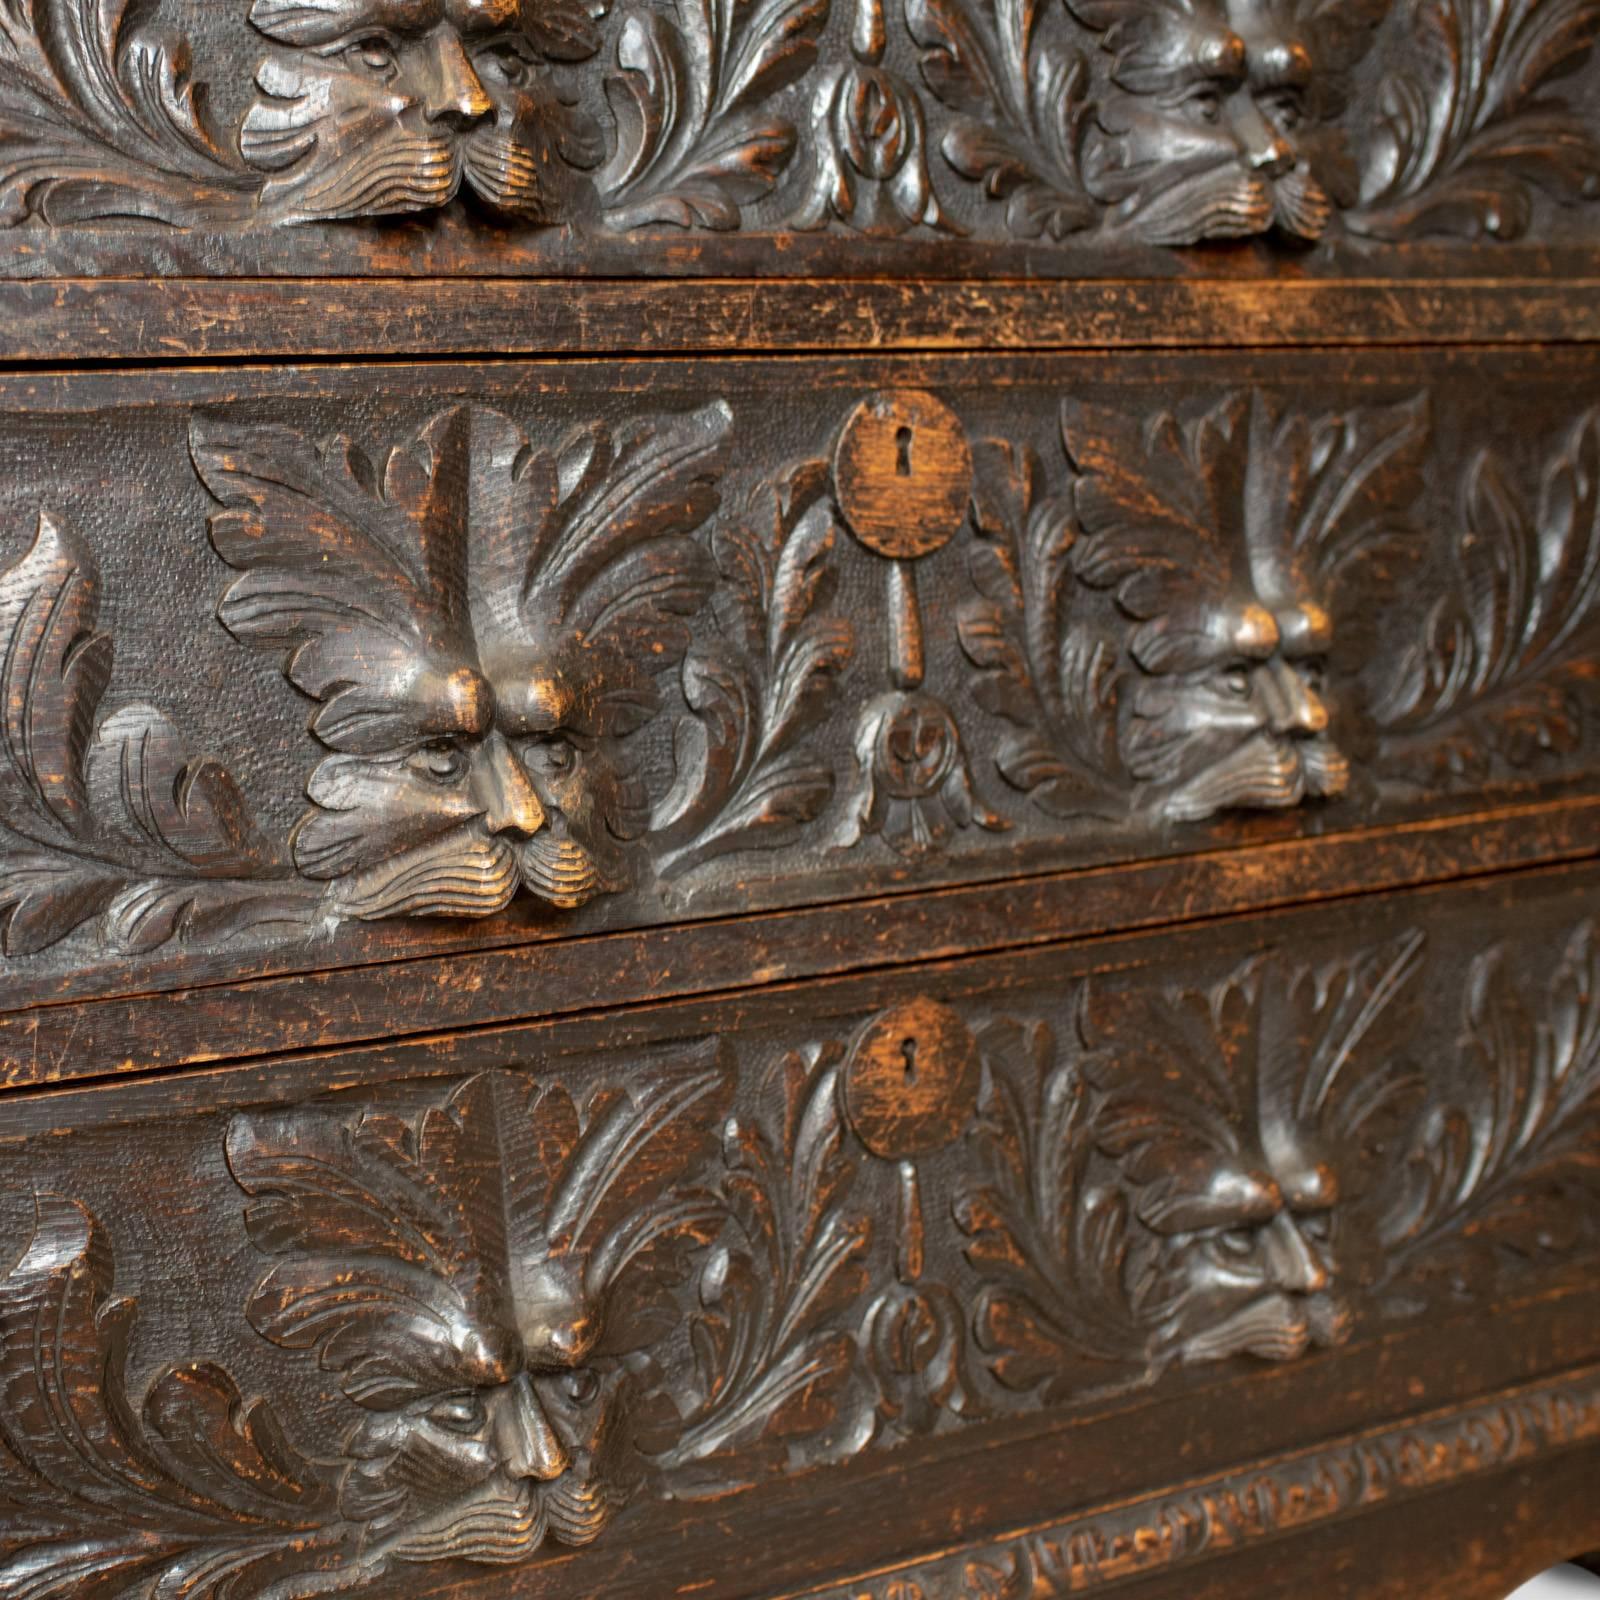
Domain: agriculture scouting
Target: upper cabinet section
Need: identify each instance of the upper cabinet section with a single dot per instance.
(1046, 137)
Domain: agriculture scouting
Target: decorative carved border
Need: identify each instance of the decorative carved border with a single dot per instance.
(1106, 121)
(1168, 1531)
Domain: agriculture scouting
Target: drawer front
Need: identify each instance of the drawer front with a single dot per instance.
(670, 137)
(573, 1295)
(310, 669)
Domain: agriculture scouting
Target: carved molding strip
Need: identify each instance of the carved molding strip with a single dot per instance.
(1102, 121)
(634, 659)
(1164, 1532)
(478, 1318)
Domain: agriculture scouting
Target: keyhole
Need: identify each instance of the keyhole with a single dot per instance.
(902, 452)
(908, 1049)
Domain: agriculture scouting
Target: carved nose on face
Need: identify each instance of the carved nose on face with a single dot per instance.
(452, 92)
(1292, 1261)
(1293, 707)
(503, 791)
(527, 1444)
(1264, 149)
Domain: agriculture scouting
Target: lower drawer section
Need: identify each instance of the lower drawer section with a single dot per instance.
(755, 1297)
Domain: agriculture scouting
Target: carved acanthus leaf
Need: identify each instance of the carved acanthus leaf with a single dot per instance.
(696, 136)
(194, 1490)
(1048, 680)
(100, 120)
(1022, 104)
(1470, 130)
(1505, 665)
(773, 1357)
(1051, 1246)
(1505, 1163)
(744, 779)
(114, 819)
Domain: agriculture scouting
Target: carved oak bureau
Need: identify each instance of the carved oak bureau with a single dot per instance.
(799, 798)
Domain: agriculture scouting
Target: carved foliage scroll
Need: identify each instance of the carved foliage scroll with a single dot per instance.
(1121, 122)
(744, 773)
(525, 1308)
(570, 661)
(100, 1486)
(110, 818)
(1505, 667)
(1473, 123)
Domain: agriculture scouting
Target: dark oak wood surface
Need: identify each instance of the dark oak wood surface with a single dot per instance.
(799, 798)
(791, 136)
(182, 319)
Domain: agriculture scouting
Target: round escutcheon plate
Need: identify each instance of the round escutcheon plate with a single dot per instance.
(903, 473)
(912, 1082)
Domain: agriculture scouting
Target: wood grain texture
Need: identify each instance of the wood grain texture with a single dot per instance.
(535, 1299)
(857, 857)
(180, 319)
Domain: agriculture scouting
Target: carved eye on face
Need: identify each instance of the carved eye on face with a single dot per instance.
(1237, 1244)
(1204, 102)
(508, 61)
(1286, 106)
(1234, 680)
(549, 755)
(441, 761)
(579, 1388)
(459, 1413)
(374, 54)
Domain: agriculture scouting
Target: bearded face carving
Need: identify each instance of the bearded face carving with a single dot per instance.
(1241, 1123)
(1219, 119)
(480, 622)
(478, 1278)
(1249, 1261)
(1224, 540)
(374, 107)
(1234, 716)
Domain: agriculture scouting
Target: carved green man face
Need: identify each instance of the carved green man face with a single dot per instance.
(1218, 119)
(383, 106)
(1230, 713)
(478, 1277)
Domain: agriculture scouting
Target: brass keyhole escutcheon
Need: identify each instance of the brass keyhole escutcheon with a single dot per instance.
(911, 1084)
(903, 473)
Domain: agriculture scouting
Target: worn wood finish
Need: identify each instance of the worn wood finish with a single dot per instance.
(536, 1297)
(474, 986)
(799, 799)
(167, 319)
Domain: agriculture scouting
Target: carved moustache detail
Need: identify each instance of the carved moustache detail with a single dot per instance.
(506, 1522)
(1229, 201)
(467, 874)
(400, 171)
(1266, 772)
(1275, 1327)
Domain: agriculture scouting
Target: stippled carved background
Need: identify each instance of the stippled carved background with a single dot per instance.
(551, 651)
